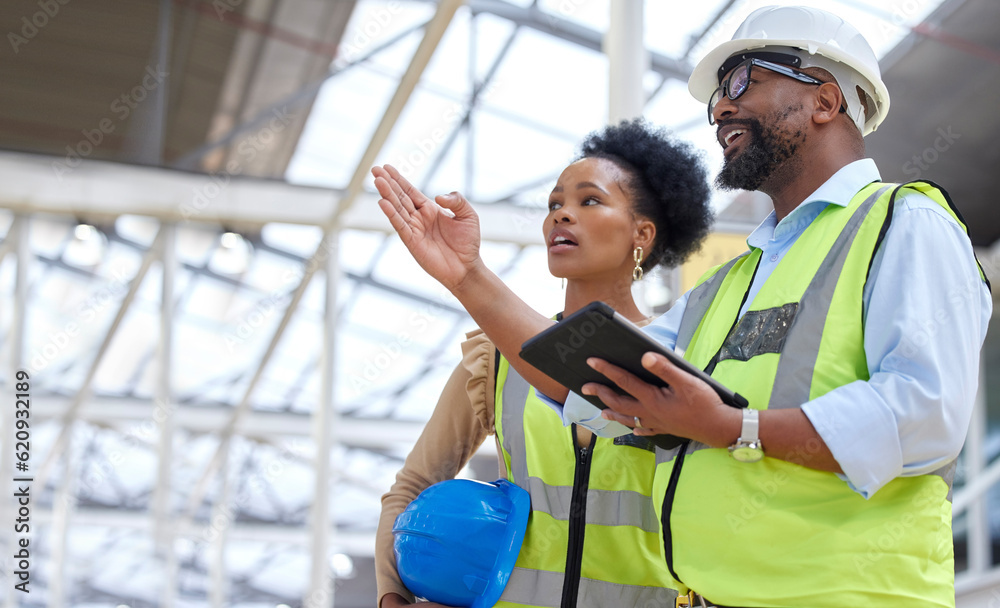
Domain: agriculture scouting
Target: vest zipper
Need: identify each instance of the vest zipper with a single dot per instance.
(577, 521)
(668, 505)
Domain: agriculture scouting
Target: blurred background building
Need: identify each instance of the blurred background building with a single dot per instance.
(229, 355)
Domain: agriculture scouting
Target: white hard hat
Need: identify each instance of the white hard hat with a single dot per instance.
(820, 39)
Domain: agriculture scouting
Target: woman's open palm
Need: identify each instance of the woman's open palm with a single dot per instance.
(442, 235)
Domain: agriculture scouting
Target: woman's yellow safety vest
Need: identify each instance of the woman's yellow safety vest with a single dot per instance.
(593, 538)
(774, 533)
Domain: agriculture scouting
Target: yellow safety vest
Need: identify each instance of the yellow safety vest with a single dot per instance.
(593, 538)
(774, 533)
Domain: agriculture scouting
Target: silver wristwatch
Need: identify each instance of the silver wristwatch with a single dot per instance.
(748, 448)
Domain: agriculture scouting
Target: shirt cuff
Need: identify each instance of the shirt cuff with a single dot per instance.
(578, 410)
(861, 433)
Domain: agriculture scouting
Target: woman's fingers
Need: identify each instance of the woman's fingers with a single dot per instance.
(396, 220)
(457, 204)
(399, 216)
(395, 191)
(407, 192)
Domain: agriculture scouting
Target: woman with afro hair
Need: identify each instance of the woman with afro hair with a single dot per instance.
(633, 199)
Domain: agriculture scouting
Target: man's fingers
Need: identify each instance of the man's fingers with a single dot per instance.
(628, 382)
(618, 415)
(617, 403)
(674, 376)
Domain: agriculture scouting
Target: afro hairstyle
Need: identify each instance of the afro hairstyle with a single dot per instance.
(667, 182)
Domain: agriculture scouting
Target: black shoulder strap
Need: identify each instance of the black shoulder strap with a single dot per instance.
(888, 220)
(885, 228)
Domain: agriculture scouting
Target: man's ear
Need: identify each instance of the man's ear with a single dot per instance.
(828, 101)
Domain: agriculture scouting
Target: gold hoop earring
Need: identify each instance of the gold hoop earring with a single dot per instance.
(637, 271)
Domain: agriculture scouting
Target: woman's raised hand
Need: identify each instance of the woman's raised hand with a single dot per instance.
(442, 234)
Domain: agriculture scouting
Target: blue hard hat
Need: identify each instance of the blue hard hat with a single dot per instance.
(457, 542)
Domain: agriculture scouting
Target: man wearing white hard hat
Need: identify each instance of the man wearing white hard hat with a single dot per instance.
(853, 326)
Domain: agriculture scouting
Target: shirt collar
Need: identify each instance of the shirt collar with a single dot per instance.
(838, 190)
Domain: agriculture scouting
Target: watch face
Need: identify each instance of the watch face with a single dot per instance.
(747, 453)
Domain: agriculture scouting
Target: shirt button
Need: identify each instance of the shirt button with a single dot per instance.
(774, 258)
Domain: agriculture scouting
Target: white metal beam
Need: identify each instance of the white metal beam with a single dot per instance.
(125, 414)
(64, 503)
(628, 60)
(162, 537)
(100, 191)
(221, 521)
(325, 427)
(979, 540)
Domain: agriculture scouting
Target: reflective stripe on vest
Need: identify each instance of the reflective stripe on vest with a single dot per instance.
(621, 564)
(698, 302)
(805, 330)
(529, 586)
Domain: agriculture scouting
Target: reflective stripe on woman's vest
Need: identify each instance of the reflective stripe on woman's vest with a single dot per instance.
(593, 533)
(775, 533)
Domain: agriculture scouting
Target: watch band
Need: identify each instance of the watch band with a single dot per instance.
(750, 431)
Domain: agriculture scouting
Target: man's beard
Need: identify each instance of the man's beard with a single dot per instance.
(766, 151)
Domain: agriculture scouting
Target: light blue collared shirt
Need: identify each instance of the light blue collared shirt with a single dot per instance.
(926, 314)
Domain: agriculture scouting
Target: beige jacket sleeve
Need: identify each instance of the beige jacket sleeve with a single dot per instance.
(462, 419)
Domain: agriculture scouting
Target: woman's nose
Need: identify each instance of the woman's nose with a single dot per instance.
(562, 215)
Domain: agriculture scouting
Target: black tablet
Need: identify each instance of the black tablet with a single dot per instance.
(596, 330)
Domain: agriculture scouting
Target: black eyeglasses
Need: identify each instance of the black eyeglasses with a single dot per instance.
(739, 80)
